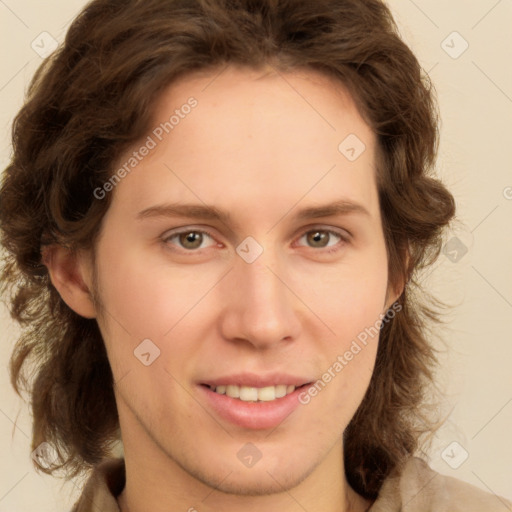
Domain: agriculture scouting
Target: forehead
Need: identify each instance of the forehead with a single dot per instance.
(264, 136)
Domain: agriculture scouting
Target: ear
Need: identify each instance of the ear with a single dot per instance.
(71, 274)
(393, 293)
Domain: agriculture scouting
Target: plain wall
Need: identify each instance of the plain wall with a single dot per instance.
(475, 96)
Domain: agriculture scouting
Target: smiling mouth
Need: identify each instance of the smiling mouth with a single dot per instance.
(253, 394)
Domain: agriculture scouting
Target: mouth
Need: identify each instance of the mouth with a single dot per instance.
(254, 394)
(251, 402)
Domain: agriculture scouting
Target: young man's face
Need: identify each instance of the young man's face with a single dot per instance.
(265, 296)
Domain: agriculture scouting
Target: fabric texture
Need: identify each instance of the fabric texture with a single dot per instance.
(416, 489)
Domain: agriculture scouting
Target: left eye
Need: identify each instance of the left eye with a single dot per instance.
(320, 238)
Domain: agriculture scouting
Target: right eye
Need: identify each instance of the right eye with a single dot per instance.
(189, 239)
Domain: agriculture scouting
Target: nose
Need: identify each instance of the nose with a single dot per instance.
(260, 306)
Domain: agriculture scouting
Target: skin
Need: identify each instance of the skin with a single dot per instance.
(261, 146)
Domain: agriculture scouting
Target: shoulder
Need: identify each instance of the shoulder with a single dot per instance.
(418, 488)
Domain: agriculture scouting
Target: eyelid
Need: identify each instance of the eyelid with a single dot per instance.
(341, 232)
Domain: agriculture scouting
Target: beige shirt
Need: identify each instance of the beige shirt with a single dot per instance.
(417, 489)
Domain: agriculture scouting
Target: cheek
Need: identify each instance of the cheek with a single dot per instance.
(346, 298)
(148, 297)
(351, 306)
(349, 300)
(146, 300)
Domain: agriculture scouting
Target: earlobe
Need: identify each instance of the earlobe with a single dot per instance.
(68, 274)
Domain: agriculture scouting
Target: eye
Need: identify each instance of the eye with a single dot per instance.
(323, 238)
(190, 240)
(193, 240)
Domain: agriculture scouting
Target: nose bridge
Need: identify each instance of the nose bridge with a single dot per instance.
(262, 284)
(259, 306)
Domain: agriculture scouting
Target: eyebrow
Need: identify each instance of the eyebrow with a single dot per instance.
(205, 212)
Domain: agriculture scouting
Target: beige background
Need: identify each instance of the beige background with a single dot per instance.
(475, 95)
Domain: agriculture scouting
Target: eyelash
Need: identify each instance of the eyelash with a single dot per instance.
(343, 238)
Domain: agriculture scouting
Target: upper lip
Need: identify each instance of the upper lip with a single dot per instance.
(258, 381)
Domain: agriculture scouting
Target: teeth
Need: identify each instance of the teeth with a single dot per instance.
(233, 391)
(250, 394)
(282, 390)
(220, 389)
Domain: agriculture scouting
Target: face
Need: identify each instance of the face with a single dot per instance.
(243, 251)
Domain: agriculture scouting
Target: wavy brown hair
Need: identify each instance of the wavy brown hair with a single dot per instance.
(94, 97)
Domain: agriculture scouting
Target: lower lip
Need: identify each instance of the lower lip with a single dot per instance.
(253, 415)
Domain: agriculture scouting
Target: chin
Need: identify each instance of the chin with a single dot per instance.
(251, 483)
